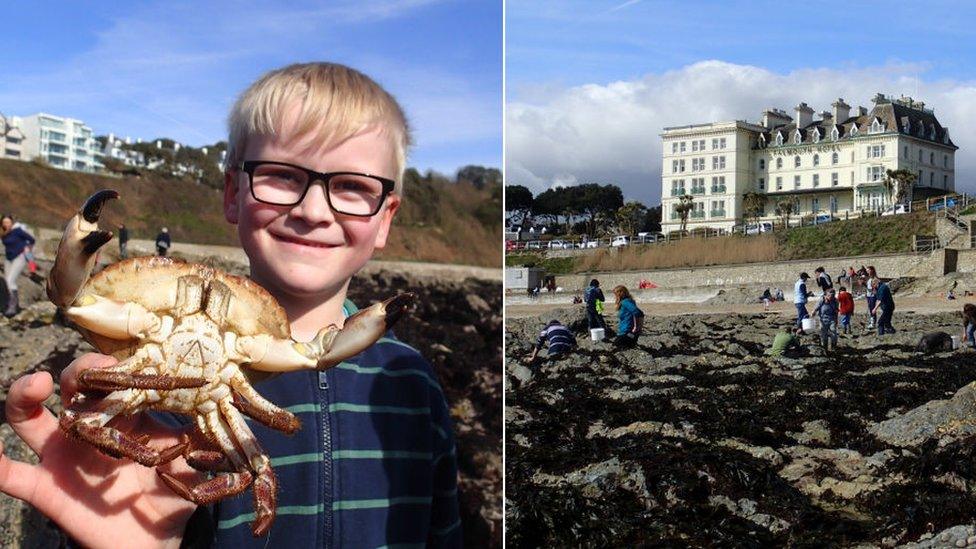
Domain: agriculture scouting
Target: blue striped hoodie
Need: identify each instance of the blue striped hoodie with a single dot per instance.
(374, 464)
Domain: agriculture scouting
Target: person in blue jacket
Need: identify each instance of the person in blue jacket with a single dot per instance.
(884, 308)
(17, 244)
(313, 179)
(630, 319)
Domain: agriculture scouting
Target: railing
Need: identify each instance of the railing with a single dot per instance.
(698, 214)
(698, 190)
(718, 189)
(925, 243)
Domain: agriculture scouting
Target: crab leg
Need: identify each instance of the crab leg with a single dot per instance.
(90, 427)
(249, 401)
(101, 380)
(265, 483)
(76, 252)
(117, 320)
(330, 346)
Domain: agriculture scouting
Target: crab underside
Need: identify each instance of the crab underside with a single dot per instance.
(192, 340)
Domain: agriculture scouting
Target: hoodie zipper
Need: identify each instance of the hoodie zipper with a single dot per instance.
(323, 395)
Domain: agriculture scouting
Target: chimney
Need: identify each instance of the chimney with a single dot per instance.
(861, 111)
(774, 117)
(842, 111)
(827, 118)
(804, 115)
(879, 98)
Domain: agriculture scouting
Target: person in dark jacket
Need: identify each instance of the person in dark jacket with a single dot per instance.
(885, 309)
(823, 280)
(17, 245)
(163, 242)
(593, 297)
(559, 339)
(123, 241)
(826, 310)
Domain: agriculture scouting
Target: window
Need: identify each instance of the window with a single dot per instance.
(876, 151)
(677, 187)
(681, 147)
(796, 182)
(945, 161)
(920, 180)
(718, 162)
(779, 163)
(718, 184)
(945, 181)
(875, 173)
(920, 155)
(834, 179)
(834, 158)
(721, 142)
(718, 208)
(796, 161)
(762, 164)
(674, 148)
(905, 151)
(816, 136)
(797, 138)
(681, 166)
(854, 130)
(816, 160)
(701, 144)
(814, 205)
(876, 126)
(698, 185)
(833, 204)
(779, 183)
(779, 139)
(932, 158)
(762, 184)
(694, 147)
(834, 134)
(697, 164)
(674, 166)
(931, 179)
(816, 180)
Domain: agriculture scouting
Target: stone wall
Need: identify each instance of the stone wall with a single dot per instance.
(782, 273)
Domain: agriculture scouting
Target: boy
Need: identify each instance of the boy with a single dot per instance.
(800, 296)
(559, 339)
(845, 303)
(827, 309)
(374, 462)
(786, 343)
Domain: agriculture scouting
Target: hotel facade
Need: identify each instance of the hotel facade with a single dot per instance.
(834, 163)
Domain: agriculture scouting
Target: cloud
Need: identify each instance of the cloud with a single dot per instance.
(610, 132)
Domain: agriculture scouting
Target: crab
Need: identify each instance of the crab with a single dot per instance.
(192, 340)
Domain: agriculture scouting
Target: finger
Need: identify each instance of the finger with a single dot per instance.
(69, 377)
(17, 479)
(26, 413)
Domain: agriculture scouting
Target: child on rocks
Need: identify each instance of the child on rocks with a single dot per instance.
(313, 180)
(845, 303)
(827, 311)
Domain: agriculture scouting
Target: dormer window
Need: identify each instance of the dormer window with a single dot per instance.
(762, 141)
(908, 126)
(779, 138)
(816, 135)
(854, 131)
(945, 136)
(876, 126)
(834, 134)
(932, 133)
(797, 137)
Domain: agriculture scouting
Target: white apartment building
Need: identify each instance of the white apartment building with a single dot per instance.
(832, 164)
(11, 138)
(62, 142)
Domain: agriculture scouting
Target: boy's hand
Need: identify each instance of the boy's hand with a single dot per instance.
(95, 499)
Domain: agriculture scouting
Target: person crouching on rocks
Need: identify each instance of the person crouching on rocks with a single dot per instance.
(559, 339)
(845, 302)
(787, 343)
(630, 318)
(969, 324)
(827, 309)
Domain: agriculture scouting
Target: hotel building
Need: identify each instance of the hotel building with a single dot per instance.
(832, 163)
(62, 142)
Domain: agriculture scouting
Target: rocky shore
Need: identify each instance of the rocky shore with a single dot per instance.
(457, 325)
(696, 438)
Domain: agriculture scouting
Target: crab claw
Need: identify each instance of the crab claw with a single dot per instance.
(361, 330)
(76, 252)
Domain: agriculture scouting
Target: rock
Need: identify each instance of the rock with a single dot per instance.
(945, 420)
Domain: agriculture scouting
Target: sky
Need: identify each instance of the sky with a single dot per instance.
(164, 68)
(591, 84)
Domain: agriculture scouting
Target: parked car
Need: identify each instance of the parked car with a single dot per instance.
(895, 210)
(822, 218)
(559, 245)
(534, 245)
(619, 241)
(758, 228)
(648, 238)
(588, 244)
(947, 203)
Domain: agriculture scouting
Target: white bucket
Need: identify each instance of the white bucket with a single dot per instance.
(955, 342)
(596, 334)
(807, 324)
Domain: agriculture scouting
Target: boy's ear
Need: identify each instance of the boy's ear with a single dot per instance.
(392, 205)
(230, 196)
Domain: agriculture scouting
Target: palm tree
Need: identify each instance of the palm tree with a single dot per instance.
(684, 207)
(899, 184)
(785, 208)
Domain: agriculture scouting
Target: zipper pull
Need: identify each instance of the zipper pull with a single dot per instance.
(323, 381)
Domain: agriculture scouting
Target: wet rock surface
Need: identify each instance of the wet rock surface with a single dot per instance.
(695, 437)
(457, 326)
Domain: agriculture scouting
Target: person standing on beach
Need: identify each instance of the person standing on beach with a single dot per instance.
(823, 280)
(593, 297)
(630, 318)
(969, 324)
(845, 302)
(827, 309)
(800, 295)
(163, 242)
(870, 294)
(886, 307)
(123, 241)
(17, 244)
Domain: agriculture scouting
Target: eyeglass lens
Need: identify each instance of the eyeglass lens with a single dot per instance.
(348, 193)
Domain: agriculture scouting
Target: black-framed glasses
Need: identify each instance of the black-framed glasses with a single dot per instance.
(348, 193)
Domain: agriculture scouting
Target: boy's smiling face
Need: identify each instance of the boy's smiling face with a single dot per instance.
(309, 251)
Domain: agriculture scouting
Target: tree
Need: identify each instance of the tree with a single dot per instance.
(785, 209)
(899, 184)
(479, 176)
(518, 202)
(591, 199)
(753, 204)
(683, 208)
(631, 217)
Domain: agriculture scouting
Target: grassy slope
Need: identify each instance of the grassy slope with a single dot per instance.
(890, 234)
(45, 197)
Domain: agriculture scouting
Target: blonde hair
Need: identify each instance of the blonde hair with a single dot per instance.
(337, 102)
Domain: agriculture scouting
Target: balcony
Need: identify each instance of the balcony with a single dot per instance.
(677, 192)
(697, 214)
(698, 190)
(716, 189)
